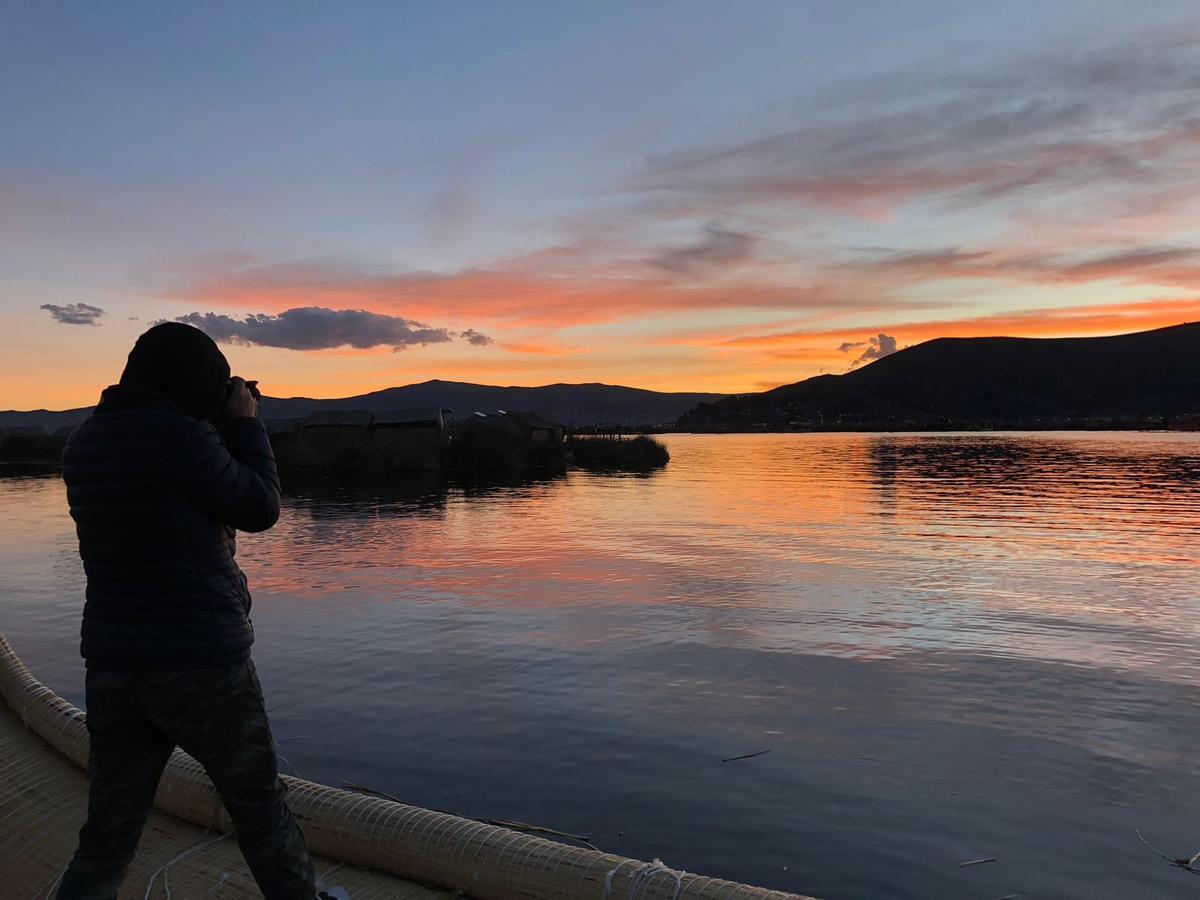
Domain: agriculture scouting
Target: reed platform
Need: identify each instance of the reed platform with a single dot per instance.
(375, 847)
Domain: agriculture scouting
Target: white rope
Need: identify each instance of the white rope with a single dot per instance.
(178, 857)
(321, 879)
(678, 884)
(608, 878)
(640, 878)
(221, 882)
(55, 882)
(287, 762)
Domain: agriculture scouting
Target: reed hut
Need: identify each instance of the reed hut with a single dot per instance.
(536, 427)
(423, 418)
(281, 427)
(336, 438)
(407, 438)
(337, 421)
(402, 430)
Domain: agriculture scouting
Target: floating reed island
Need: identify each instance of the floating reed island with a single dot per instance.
(336, 442)
(33, 445)
(332, 442)
(375, 846)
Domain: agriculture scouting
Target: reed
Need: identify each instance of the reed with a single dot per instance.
(484, 447)
(641, 453)
(42, 801)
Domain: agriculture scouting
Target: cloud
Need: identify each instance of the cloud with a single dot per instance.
(717, 248)
(450, 213)
(73, 313)
(1112, 127)
(875, 348)
(938, 262)
(540, 348)
(1079, 166)
(319, 328)
(1071, 321)
(1085, 143)
(517, 293)
(1142, 263)
(1175, 266)
(471, 336)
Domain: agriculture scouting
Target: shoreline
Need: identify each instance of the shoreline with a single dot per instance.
(51, 463)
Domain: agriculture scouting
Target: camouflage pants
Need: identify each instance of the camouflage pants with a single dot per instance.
(217, 715)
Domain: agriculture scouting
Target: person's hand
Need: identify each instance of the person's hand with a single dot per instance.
(240, 403)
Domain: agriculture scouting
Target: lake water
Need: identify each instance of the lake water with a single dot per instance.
(954, 646)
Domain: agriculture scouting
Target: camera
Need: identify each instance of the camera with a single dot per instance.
(251, 386)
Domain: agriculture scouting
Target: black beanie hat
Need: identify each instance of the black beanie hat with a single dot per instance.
(182, 362)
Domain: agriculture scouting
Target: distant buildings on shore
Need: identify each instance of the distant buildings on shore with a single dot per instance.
(418, 438)
(416, 425)
(340, 437)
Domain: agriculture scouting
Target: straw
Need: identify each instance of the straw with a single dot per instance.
(43, 801)
(419, 845)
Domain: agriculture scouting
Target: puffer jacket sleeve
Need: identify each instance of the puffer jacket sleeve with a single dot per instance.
(235, 480)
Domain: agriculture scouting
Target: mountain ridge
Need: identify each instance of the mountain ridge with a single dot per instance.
(588, 403)
(1139, 379)
(985, 382)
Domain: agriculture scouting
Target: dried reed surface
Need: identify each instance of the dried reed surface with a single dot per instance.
(42, 799)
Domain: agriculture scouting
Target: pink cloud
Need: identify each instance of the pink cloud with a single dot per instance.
(515, 298)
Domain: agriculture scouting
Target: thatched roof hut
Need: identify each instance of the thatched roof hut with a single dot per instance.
(420, 417)
(348, 419)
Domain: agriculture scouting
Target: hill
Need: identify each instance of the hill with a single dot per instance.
(572, 404)
(1138, 379)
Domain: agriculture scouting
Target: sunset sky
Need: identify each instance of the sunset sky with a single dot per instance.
(674, 195)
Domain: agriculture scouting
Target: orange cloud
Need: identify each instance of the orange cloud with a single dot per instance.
(518, 299)
(536, 348)
(1079, 321)
(1169, 266)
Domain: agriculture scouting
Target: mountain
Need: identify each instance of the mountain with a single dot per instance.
(992, 382)
(47, 418)
(572, 404)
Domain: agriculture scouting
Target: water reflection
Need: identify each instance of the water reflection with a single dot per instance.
(990, 461)
(954, 645)
(403, 494)
(414, 494)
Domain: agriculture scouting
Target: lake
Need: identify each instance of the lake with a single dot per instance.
(954, 647)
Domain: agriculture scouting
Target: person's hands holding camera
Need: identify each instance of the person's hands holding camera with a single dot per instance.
(241, 399)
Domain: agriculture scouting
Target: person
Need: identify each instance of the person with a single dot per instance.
(157, 493)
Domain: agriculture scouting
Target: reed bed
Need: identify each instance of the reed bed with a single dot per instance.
(414, 853)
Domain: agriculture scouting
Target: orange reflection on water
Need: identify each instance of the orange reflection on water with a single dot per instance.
(860, 545)
(1074, 547)
(944, 639)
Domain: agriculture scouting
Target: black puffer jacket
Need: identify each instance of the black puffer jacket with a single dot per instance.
(155, 494)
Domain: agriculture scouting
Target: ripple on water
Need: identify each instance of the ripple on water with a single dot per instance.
(955, 646)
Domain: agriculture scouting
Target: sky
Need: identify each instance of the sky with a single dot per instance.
(696, 195)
